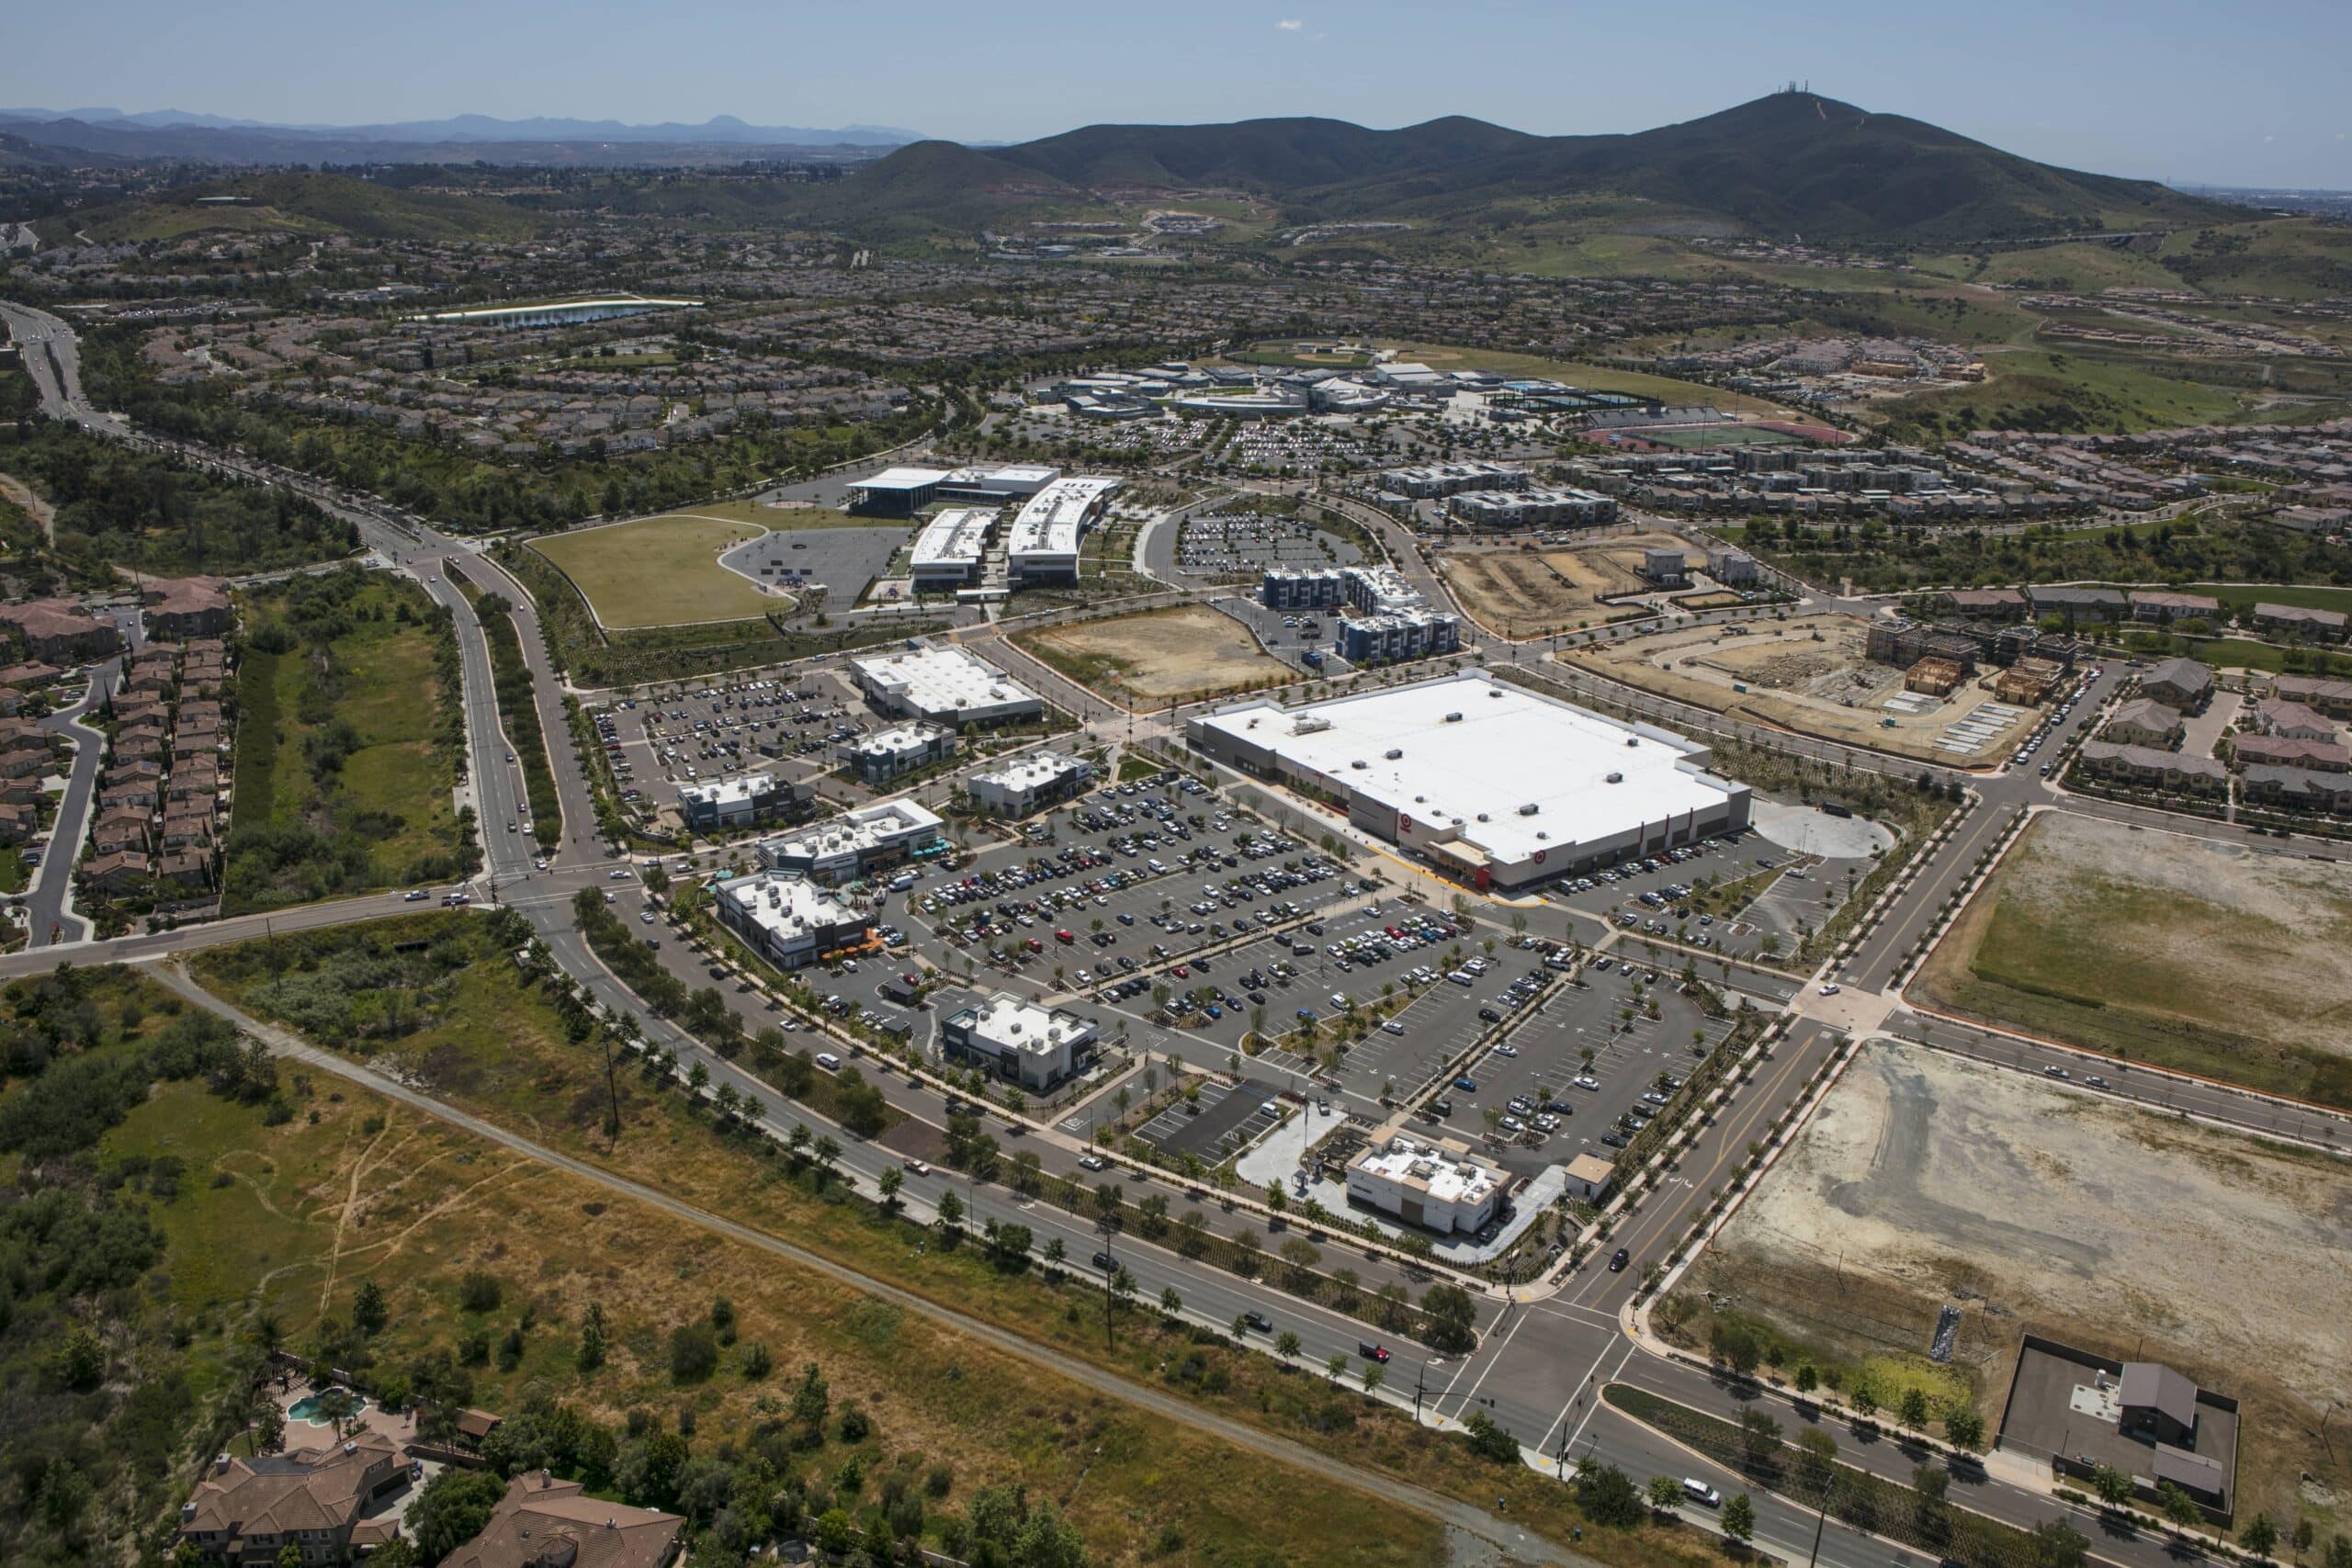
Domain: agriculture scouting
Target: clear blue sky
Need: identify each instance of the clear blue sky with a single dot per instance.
(2258, 92)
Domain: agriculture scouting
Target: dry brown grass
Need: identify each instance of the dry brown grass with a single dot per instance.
(1161, 656)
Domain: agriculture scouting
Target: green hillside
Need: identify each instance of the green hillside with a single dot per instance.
(302, 201)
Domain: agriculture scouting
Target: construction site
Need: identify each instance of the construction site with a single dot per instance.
(1814, 674)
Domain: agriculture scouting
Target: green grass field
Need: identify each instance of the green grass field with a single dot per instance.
(383, 815)
(663, 572)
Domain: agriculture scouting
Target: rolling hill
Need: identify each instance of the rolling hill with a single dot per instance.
(1791, 164)
(295, 201)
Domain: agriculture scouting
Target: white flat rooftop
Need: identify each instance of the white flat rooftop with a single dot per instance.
(900, 478)
(1054, 517)
(1509, 749)
(956, 537)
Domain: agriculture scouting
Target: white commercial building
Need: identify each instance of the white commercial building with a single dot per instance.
(945, 686)
(844, 848)
(1033, 1046)
(948, 551)
(736, 802)
(1436, 1184)
(993, 485)
(788, 920)
(1043, 540)
(1028, 782)
(1495, 785)
(896, 492)
(1424, 481)
(554, 313)
(901, 749)
(1533, 508)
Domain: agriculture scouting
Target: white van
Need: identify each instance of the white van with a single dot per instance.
(902, 882)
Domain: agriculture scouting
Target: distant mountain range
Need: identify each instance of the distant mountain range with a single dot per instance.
(1793, 164)
(1789, 164)
(179, 133)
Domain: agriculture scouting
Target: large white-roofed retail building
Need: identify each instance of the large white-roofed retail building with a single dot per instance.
(1046, 533)
(790, 921)
(1496, 785)
(945, 686)
(896, 492)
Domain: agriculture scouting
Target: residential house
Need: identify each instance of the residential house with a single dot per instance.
(2333, 698)
(2181, 684)
(190, 871)
(184, 607)
(2286, 752)
(2148, 604)
(248, 1511)
(126, 871)
(60, 631)
(2147, 766)
(136, 793)
(2143, 721)
(121, 829)
(546, 1523)
(1987, 603)
(24, 762)
(2292, 720)
(2305, 789)
(18, 823)
(2076, 604)
(2294, 621)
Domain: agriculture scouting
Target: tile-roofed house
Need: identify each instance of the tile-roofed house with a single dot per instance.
(121, 828)
(2294, 620)
(2143, 721)
(116, 872)
(18, 822)
(188, 606)
(2286, 752)
(2307, 787)
(1987, 603)
(32, 672)
(2294, 720)
(189, 869)
(2182, 684)
(546, 1523)
(2080, 604)
(2156, 604)
(25, 763)
(248, 1510)
(60, 630)
(2333, 698)
(2145, 764)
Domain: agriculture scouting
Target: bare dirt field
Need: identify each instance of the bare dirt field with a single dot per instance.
(1926, 1180)
(1525, 594)
(2199, 953)
(1809, 674)
(1163, 655)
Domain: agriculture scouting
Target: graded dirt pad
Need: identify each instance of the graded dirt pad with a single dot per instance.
(1526, 594)
(1811, 675)
(661, 571)
(1157, 657)
(1925, 1180)
(2201, 953)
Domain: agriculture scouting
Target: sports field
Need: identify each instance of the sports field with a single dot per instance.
(1163, 656)
(661, 571)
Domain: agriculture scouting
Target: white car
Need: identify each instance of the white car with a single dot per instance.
(828, 1061)
(1390, 1026)
(1830, 989)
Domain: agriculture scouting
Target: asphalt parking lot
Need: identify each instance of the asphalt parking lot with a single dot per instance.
(1620, 891)
(676, 735)
(1284, 634)
(1093, 878)
(1224, 544)
(1544, 1051)
(840, 561)
(1225, 1120)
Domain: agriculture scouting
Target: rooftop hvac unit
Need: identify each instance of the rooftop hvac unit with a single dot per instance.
(1358, 763)
(1528, 809)
(1395, 753)
(1616, 778)
(1453, 718)
(1633, 741)
(1482, 816)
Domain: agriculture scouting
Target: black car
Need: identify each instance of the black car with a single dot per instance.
(1102, 1261)
(1613, 1140)
(1490, 1015)
(1618, 1260)
(1258, 1321)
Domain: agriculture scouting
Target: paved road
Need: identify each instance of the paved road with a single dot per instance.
(1542, 1355)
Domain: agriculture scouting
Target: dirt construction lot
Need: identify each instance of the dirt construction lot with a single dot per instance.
(1927, 1179)
(1163, 656)
(1809, 674)
(2197, 953)
(1524, 593)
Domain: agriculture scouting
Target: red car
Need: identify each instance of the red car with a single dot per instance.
(1181, 972)
(1372, 1352)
